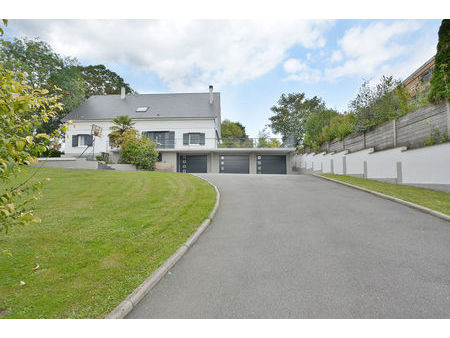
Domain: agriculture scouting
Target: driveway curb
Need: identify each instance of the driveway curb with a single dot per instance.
(394, 199)
(136, 296)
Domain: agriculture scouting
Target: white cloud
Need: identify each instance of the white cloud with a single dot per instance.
(293, 66)
(366, 50)
(336, 56)
(300, 71)
(309, 75)
(186, 55)
(381, 48)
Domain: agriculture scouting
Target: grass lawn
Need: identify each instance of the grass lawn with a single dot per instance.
(102, 234)
(436, 200)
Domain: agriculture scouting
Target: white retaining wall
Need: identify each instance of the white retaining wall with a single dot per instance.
(338, 162)
(355, 162)
(427, 165)
(383, 164)
(430, 165)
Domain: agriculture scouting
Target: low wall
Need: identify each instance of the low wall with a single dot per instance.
(67, 163)
(123, 167)
(81, 163)
(423, 166)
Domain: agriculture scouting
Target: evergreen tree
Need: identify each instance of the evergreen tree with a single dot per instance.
(440, 90)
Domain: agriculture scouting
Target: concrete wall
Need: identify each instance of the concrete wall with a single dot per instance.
(171, 160)
(67, 163)
(339, 162)
(290, 163)
(180, 126)
(355, 162)
(382, 165)
(252, 164)
(411, 130)
(427, 165)
(81, 163)
(214, 163)
(123, 167)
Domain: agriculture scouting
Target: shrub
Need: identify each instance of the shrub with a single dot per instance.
(138, 150)
(265, 141)
(22, 110)
(314, 125)
(333, 126)
(103, 157)
(385, 101)
(51, 152)
(340, 126)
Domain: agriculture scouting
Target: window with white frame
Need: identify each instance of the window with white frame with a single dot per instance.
(194, 138)
(83, 140)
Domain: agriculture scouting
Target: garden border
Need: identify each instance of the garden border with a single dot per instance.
(136, 296)
(391, 198)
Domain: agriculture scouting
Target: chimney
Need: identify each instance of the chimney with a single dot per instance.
(211, 98)
(122, 93)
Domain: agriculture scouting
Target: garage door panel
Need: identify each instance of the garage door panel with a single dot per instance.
(271, 164)
(234, 164)
(193, 163)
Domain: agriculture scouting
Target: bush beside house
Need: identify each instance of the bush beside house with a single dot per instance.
(135, 149)
(138, 150)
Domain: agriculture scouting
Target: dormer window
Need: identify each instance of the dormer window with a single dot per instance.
(141, 109)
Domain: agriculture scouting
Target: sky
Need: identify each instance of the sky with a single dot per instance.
(250, 62)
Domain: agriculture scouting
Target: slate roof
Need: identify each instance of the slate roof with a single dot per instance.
(177, 105)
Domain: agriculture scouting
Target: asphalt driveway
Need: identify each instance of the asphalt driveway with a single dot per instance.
(286, 246)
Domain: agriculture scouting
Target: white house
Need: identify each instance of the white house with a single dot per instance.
(185, 127)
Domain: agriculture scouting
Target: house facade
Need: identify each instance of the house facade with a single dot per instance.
(418, 81)
(184, 126)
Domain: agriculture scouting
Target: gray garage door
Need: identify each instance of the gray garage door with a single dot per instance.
(271, 164)
(193, 164)
(233, 164)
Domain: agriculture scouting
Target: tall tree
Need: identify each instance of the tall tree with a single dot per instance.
(102, 81)
(47, 69)
(234, 135)
(72, 86)
(440, 86)
(35, 58)
(291, 114)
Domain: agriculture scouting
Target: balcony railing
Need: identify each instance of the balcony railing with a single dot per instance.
(254, 143)
(226, 143)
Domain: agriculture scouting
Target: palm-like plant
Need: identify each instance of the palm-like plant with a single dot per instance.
(123, 124)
